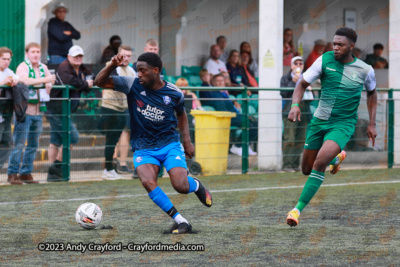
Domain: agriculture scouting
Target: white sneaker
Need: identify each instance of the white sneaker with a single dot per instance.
(236, 150)
(251, 152)
(110, 175)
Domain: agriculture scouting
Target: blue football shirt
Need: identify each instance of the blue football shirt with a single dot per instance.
(152, 112)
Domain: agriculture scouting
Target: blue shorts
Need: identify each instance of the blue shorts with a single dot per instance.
(172, 155)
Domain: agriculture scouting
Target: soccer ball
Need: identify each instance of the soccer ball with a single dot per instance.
(88, 215)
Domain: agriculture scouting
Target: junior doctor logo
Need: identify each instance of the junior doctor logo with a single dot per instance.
(167, 100)
(152, 113)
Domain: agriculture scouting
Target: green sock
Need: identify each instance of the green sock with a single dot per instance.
(310, 188)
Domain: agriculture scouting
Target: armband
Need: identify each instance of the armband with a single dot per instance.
(295, 104)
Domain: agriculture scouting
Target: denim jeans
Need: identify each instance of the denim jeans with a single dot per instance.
(29, 130)
(56, 59)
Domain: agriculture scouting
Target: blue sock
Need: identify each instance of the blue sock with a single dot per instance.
(192, 185)
(161, 199)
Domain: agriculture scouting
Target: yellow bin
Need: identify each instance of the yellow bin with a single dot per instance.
(212, 140)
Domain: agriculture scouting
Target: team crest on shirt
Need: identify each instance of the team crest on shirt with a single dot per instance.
(138, 159)
(354, 76)
(167, 100)
(139, 103)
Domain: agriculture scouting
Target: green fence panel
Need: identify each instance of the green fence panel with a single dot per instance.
(12, 29)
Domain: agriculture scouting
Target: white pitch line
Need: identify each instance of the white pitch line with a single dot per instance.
(212, 191)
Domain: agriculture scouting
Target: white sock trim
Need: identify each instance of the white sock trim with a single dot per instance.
(198, 185)
(297, 210)
(179, 219)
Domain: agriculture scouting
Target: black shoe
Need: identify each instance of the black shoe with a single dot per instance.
(54, 178)
(124, 170)
(135, 175)
(54, 173)
(203, 194)
(173, 227)
(55, 169)
(183, 228)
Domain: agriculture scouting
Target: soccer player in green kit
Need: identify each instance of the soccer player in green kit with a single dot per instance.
(343, 77)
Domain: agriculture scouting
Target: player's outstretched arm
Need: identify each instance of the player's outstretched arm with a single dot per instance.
(298, 93)
(371, 104)
(103, 79)
(183, 126)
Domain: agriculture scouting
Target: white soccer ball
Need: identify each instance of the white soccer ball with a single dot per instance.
(88, 215)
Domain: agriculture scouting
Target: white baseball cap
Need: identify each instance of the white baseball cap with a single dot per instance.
(75, 51)
(297, 58)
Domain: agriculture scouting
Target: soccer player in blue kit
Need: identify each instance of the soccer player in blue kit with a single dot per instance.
(152, 105)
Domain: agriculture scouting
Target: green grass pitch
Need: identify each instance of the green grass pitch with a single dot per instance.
(345, 224)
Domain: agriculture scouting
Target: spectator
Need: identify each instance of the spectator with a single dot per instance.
(213, 64)
(227, 79)
(376, 60)
(112, 49)
(113, 110)
(60, 34)
(235, 71)
(182, 82)
(7, 77)
(191, 102)
(221, 42)
(328, 47)
(227, 93)
(122, 147)
(227, 105)
(357, 52)
(294, 132)
(318, 50)
(70, 72)
(31, 72)
(288, 47)
(253, 66)
(249, 77)
(205, 77)
(152, 47)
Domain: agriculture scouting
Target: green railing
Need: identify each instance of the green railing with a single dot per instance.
(245, 112)
(66, 121)
(390, 128)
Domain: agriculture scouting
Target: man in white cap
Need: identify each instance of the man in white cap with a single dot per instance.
(60, 34)
(294, 133)
(70, 72)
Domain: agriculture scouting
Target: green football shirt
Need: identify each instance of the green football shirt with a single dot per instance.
(341, 86)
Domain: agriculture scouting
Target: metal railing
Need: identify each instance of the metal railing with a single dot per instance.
(245, 99)
(245, 112)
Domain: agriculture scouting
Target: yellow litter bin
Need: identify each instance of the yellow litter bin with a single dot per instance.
(212, 140)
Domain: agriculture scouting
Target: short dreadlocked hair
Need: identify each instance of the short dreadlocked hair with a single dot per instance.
(348, 32)
(151, 59)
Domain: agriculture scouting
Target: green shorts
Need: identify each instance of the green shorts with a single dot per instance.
(318, 131)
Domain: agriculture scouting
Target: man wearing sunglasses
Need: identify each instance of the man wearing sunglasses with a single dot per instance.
(294, 133)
